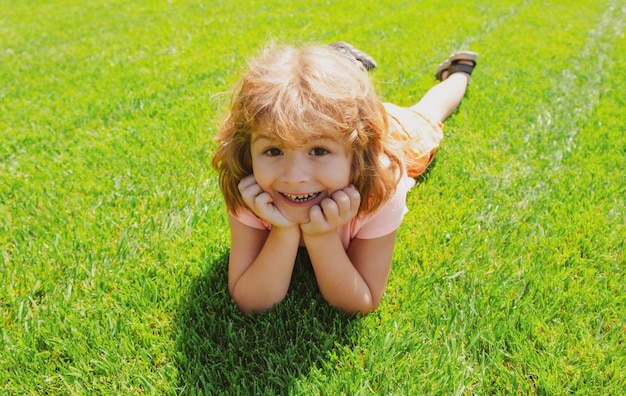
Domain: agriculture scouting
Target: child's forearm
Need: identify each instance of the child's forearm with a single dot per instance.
(266, 281)
(339, 281)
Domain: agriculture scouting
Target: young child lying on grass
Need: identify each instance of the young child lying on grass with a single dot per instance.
(309, 156)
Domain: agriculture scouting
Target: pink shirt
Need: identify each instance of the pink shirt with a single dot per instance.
(386, 219)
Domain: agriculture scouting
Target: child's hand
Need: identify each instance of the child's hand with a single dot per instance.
(333, 212)
(261, 204)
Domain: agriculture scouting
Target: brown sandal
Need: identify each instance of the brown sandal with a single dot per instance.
(453, 65)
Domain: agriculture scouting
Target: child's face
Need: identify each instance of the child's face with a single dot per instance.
(298, 178)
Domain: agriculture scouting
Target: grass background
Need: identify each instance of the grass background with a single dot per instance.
(508, 274)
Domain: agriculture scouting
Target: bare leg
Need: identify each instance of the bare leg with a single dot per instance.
(442, 99)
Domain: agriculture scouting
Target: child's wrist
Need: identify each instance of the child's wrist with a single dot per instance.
(286, 230)
(318, 235)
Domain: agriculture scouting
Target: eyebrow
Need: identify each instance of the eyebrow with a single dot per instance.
(274, 139)
(260, 136)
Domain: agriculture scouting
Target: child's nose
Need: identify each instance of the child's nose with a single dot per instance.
(296, 170)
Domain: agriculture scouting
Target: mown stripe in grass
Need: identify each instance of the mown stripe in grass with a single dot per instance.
(499, 242)
(574, 96)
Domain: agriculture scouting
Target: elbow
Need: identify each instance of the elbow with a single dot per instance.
(246, 310)
(250, 304)
(370, 302)
(358, 306)
(373, 307)
(368, 308)
(361, 311)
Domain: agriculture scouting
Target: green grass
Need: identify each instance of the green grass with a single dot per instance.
(508, 274)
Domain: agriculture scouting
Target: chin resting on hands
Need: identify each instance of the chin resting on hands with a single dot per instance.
(261, 203)
(333, 212)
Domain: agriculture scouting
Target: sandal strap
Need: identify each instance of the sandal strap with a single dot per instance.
(453, 65)
(461, 67)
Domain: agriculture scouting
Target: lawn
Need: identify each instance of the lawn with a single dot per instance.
(509, 270)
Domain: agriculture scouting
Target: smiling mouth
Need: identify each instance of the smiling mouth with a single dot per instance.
(301, 198)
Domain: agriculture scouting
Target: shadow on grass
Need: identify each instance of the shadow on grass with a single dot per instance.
(221, 351)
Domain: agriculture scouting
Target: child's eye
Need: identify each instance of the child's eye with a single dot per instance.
(319, 151)
(273, 152)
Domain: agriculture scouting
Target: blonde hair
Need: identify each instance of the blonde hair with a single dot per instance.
(302, 94)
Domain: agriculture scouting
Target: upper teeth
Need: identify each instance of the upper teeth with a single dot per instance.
(301, 198)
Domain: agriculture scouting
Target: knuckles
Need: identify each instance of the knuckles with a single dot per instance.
(341, 198)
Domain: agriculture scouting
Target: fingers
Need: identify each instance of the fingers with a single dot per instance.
(251, 191)
(246, 181)
(261, 202)
(333, 212)
(253, 195)
(343, 204)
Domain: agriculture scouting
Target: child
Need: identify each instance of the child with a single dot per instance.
(309, 156)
